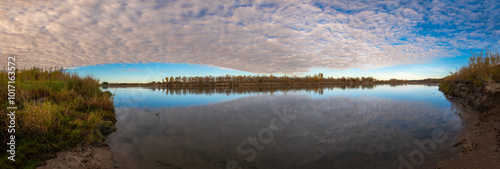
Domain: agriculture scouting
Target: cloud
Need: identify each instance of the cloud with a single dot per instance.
(71, 68)
(131, 70)
(259, 36)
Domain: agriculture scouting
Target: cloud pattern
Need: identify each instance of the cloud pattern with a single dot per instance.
(260, 36)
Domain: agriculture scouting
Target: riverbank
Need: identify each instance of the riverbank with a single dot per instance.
(478, 144)
(475, 88)
(93, 157)
(55, 112)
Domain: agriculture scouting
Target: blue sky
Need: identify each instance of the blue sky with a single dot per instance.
(142, 41)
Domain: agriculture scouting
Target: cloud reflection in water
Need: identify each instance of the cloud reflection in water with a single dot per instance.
(332, 132)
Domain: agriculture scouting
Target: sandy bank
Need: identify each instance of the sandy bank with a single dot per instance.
(92, 157)
(479, 142)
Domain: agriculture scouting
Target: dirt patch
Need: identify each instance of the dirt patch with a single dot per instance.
(479, 142)
(92, 157)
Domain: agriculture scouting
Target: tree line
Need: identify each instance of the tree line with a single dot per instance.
(269, 78)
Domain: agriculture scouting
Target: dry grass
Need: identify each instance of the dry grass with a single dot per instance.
(38, 118)
(469, 146)
(482, 68)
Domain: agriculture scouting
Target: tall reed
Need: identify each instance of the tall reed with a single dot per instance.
(482, 68)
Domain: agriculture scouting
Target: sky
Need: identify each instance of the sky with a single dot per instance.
(143, 41)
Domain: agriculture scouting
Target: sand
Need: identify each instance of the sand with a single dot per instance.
(92, 157)
(479, 142)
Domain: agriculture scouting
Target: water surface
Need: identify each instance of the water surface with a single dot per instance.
(336, 127)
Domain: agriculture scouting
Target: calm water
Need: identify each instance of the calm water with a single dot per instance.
(337, 127)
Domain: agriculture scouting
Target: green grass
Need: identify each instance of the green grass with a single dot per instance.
(56, 111)
(482, 68)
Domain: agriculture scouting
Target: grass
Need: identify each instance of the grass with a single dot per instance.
(56, 111)
(482, 68)
(468, 146)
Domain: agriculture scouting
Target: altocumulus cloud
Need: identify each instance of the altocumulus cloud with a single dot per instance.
(261, 36)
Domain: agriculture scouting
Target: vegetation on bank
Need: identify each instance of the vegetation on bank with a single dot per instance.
(265, 81)
(482, 68)
(56, 111)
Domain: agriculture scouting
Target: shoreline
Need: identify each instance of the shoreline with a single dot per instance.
(98, 157)
(478, 144)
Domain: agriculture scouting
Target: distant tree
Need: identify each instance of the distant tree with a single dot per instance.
(104, 83)
(367, 79)
(270, 78)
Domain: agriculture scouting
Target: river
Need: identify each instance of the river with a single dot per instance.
(333, 127)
